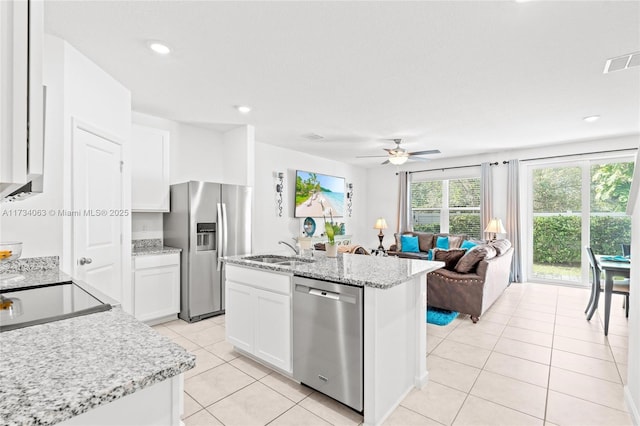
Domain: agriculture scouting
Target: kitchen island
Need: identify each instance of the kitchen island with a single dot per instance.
(259, 303)
(104, 368)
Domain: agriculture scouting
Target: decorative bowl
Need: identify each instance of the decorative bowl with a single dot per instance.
(10, 250)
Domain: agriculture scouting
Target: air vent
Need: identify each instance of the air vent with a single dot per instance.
(622, 62)
(312, 137)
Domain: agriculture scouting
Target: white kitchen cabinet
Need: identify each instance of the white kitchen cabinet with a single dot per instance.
(21, 94)
(258, 314)
(156, 286)
(149, 169)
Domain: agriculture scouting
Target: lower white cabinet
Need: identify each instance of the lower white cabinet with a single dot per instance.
(156, 286)
(258, 314)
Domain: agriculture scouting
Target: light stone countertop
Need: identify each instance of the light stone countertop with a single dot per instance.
(352, 269)
(54, 371)
(147, 251)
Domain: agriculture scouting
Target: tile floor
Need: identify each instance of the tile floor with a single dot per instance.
(532, 359)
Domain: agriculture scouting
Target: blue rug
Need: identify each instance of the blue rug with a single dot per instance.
(440, 316)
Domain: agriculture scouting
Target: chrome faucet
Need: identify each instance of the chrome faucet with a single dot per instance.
(295, 250)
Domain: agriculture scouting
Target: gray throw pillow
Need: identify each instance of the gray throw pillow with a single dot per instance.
(501, 246)
(425, 240)
(449, 257)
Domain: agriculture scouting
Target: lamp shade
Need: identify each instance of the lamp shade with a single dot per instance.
(380, 223)
(398, 159)
(495, 225)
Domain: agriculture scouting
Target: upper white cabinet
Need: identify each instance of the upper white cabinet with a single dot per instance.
(21, 94)
(150, 169)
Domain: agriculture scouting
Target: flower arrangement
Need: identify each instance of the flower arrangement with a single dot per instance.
(330, 228)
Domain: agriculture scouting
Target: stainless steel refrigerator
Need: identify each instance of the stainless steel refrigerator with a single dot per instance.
(207, 221)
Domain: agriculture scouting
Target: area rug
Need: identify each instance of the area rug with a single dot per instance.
(440, 316)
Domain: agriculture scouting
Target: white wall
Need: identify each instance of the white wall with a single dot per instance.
(239, 144)
(268, 228)
(632, 390)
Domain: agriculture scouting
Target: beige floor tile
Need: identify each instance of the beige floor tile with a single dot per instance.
(581, 347)
(220, 319)
(550, 300)
(223, 350)
(202, 418)
(451, 373)
(511, 393)
(529, 351)
(433, 342)
(255, 404)
(250, 367)
(618, 330)
(580, 322)
(548, 309)
(586, 365)
(484, 325)
(463, 353)
(618, 341)
(298, 416)
(534, 315)
(165, 331)
(287, 387)
(330, 410)
(205, 360)
(588, 335)
(208, 336)
(528, 324)
(215, 384)
(518, 368)
(440, 331)
(474, 337)
(182, 327)
(187, 344)
(567, 410)
(495, 317)
(528, 336)
(402, 416)
(586, 387)
(479, 412)
(502, 310)
(438, 402)
(624, 372)
(190, 406)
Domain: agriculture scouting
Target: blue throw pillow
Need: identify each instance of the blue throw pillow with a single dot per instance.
(430, 254)
(442, 243)
(409, 244)
(466, 244)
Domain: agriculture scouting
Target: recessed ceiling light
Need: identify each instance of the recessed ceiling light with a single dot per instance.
(591, 118)
(159, 48)
(244, 109)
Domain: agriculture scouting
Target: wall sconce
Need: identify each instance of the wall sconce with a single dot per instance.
(279, 191)
(349, 198)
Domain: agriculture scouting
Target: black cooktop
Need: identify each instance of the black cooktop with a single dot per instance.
(27, 306)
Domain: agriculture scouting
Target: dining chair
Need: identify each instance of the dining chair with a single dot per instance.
(597, 287)
(626, 250)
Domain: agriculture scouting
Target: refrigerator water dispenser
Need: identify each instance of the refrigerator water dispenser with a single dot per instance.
(205, 236)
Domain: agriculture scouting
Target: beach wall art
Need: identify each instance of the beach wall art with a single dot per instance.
(318, 195)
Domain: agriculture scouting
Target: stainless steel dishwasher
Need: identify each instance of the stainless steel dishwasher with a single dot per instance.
(328, 339)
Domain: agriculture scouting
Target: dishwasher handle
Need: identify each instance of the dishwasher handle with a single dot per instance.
(339, 297)
(323, 293)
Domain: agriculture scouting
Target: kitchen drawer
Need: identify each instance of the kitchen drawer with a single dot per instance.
(260, 278)
(156, 260)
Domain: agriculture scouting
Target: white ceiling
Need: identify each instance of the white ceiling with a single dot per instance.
(461, 77)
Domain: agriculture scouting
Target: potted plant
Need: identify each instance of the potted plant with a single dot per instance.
(331, 230)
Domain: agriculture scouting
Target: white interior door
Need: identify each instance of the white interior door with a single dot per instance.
(97, 201)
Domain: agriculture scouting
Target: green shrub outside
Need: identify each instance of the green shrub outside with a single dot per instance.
(557, 239)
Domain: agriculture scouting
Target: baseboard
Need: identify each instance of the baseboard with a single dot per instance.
(631, 406)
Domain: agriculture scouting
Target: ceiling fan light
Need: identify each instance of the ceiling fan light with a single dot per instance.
(398, 159)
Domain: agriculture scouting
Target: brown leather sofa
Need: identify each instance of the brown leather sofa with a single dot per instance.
(485, 275)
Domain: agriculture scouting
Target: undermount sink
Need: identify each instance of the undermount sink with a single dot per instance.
(279, 260)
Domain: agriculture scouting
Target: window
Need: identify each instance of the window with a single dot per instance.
(448, 206)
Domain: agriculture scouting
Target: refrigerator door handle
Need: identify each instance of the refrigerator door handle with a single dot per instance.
(225, 235)
(219, 245)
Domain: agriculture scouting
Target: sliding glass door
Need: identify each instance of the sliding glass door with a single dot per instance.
(573, 205)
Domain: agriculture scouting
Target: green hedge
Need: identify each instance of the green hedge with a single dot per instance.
(557, 239)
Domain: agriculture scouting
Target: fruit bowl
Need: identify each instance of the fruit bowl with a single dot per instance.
(10, 250)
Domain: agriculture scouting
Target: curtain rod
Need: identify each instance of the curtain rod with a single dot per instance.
(449, 168)
(580, 153)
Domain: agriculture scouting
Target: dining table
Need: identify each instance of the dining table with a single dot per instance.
(611, 268)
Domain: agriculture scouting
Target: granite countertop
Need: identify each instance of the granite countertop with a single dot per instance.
(353, 269)
(52, 372)
(36, 278)
(147, 251)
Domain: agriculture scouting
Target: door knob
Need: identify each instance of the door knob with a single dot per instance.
(85, 260)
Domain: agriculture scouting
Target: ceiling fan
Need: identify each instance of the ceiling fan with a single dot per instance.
(399, 155)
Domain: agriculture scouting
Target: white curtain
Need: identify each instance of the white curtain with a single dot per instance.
(404, 203)
(486, 185)
(513, 219)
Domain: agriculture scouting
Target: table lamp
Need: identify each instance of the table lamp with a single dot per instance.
(495, 227)
(380, 224)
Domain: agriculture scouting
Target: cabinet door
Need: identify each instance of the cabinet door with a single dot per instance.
(149, 169)
(272, 325)
(239, 315)
(156, 292)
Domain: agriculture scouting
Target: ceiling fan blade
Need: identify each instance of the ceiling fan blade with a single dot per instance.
(389, 149)
(431, 151)
(371, 156)
(419, 159)
(386, 162)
